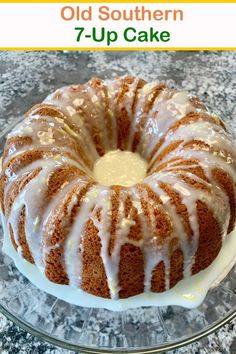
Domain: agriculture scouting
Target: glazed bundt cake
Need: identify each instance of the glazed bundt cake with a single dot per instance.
(118, 241)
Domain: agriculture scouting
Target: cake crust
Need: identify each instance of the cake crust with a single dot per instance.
(116, 242)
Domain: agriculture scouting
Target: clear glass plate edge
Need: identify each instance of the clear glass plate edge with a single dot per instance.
(162, 348)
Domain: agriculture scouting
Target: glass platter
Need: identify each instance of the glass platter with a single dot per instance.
(143, 330)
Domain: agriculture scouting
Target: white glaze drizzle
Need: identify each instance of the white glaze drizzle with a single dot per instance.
(72, 256)
(209, 133)
(170, 107)
(112, 91)
(33, 197)
(98, 112)
(143, 95)
(68, 104)
(129, 96)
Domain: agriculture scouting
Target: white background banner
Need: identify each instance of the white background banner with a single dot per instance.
(203, 25)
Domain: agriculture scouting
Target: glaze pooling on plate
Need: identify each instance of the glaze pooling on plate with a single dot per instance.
(184, 147)
(188, 293)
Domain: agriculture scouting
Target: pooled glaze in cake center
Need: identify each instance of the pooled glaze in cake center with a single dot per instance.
(118, 167)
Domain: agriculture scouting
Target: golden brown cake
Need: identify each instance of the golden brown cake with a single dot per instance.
(116, 241)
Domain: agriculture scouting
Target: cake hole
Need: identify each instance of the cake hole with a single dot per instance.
(118, 167)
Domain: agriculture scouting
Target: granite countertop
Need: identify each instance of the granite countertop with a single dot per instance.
(26, 78)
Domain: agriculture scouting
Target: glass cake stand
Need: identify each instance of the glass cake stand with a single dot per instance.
(142, 330)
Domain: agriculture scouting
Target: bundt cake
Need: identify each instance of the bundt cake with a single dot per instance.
(118, 241)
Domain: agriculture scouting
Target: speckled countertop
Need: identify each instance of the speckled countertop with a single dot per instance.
(25, 79)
